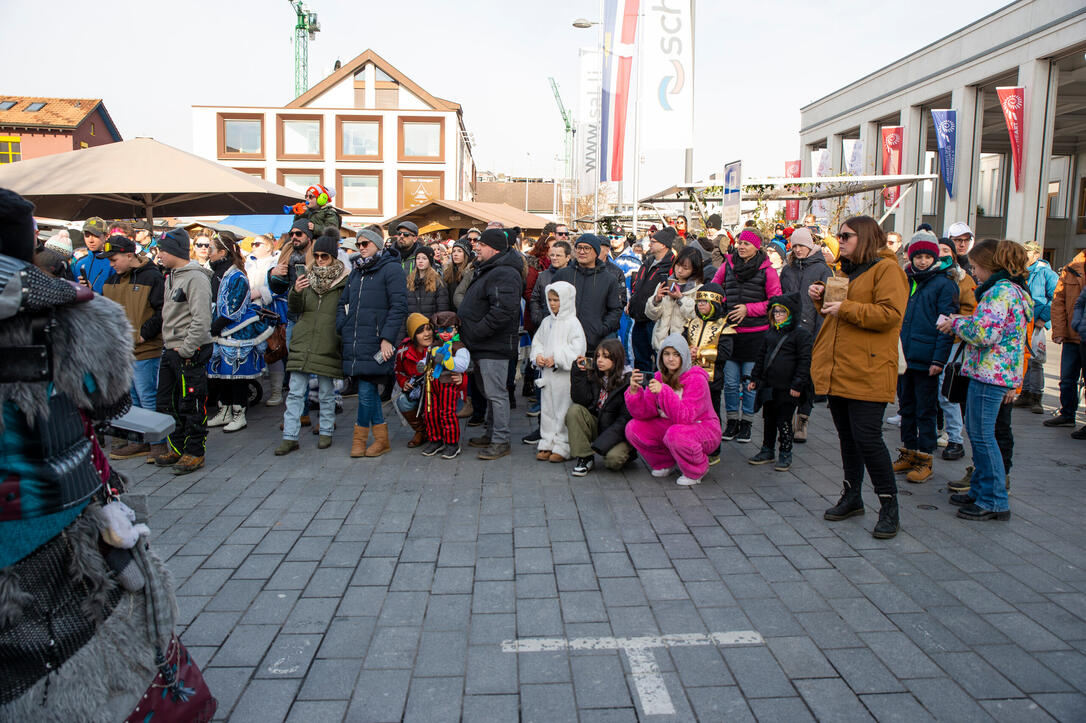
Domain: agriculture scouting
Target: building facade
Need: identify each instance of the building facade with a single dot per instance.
(367, 130)
(35, 127)
(1036, 44)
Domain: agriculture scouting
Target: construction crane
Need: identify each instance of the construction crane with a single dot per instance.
(305, 31)
(567, 118)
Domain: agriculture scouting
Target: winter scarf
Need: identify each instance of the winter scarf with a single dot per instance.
(917, 277)
(322, 278)
(745, 269)
(999, 276)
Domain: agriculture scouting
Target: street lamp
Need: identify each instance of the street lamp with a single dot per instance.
(583, 23)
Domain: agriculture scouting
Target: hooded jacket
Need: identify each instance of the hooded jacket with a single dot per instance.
(790, 368)
(599, 299)
(322, 217)
(372, 307)
(186, 309)
(1042, 287)
(315, 346)
(711, 339)
(995, 336)
(537, 303)
(931, 294)
(796, 277)
(490, 310)
(670, 314)
(1068, 289)
(691, 406)
(560, 335)
(855, 354)
(140, 290)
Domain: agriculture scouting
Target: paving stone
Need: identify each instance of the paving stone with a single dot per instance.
(448, 612)
(599, 681)
(493, 597)
(227, 685)
(246, 646)
(575, 577)
(900, 655)
(1022, 669)
(1016, 710)
(490, 671)
(330, 679)
(570, 553)
(582, 607)
(780, 710)
(612, 564)
(699, 665)
(536, 585)
(441, 654)
(544, 667)
(379, 696)
(265, 700)
(719, 703)
(831, 699)
(1026, 633)
(449, 580)
(800, 658)
(492, 628)
(1062, 706)
(494, 568)
(289, 656)
(944, 700)
(547, 703)
(901, 707)
(489, 708)
(392, 648)
(863, 671)
(306, 711)
(403, 608)
(311, 615)
(271, 607)
(757, 672)
(347, 638)
(539, 617)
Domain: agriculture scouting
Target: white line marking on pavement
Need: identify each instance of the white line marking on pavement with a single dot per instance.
(648, 681)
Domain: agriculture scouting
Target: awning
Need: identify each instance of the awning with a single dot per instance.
(466, 214)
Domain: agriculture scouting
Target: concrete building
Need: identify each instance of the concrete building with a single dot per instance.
(1037, 44)
(34, 127)
(367, 130)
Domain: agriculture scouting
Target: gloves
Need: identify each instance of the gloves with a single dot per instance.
(218, 325)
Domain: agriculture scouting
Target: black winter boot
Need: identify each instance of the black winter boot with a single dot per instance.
(784, 434)
(888, 523)
(851, 503)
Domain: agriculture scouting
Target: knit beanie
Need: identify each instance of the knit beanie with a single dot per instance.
(666, 236)
(61, 243)
(17, 237)
(592, 240)
(371, 236)
(175, 243)
(429, 254)
(302, 224)
(713, 221)
(751, 237)
(327, 244)
(465, 245)
(802, 237)
(496, 239)
(927, 236)
(414, 321)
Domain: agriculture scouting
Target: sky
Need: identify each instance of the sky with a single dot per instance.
(756, 64)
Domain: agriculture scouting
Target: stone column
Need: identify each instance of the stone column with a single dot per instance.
(1027, 207)
(912, 150)
(969, 102)
(837, 164)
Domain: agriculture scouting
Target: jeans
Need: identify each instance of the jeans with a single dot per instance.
(952, 415)
(145, 385)
(369, 404)
(644, 358)
(299, 392)
(988, 485)
(491, 373)
(1035, 377)
(919, 401)
(734, 373)
(405, 404)
(859, 427)
(1070, 371)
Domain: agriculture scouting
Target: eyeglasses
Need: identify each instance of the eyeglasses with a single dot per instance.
(199, 246)
(845, 236)
(583, 248)
(561, 233)
(319, 256)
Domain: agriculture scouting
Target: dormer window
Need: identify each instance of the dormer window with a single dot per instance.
(34, 107)
(7, 104)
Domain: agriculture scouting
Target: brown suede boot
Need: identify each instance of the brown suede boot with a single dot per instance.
(380, 441)
(130, 450)
(188, 463)
(167, 458)
(358, 443)
(155, 451)
(904, 461)
(921, 471)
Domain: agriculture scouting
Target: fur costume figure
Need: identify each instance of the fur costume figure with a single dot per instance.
(558, 342)
(674, 426)
(86, 608)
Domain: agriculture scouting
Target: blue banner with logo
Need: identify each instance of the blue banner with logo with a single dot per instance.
(946, 133)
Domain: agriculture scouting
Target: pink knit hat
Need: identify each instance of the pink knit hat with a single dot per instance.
(750, 237)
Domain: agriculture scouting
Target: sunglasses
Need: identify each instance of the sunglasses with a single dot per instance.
(319, 256)
(561, 233)
(199, 246)
(107, 247)
(845, 236)
(297, 234)
(446, 330)
(405, 233)
(363, 244)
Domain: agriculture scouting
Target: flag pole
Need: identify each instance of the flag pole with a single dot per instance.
(637, 122)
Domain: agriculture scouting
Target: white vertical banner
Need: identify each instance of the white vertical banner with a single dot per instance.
(667, 75)
(854, 167)
(733, 194)
(819, 207)
(587, 151)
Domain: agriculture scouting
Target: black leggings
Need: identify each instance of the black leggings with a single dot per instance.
(228, 392)
(859, 427)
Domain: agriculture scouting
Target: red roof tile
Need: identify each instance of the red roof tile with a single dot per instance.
(56, 113)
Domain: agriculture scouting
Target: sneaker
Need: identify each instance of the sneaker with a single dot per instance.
(764, 456)
(286, 447)
(953, 451)
(666, 471)
(977, 514)
(942, 440)
(894, 420)
(1079, 433)
(433, 448)
(744, 432)
(450, 451)
(730, 430)
(495, 451)
(532, 437)
(714, 459)
(687, 481)
(480, 441)
(533, 409)
(584, 466)
(784, 462)
(1060, 420)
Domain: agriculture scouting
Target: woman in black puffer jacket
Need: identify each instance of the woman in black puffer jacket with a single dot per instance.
(371, 311)
(426, 291)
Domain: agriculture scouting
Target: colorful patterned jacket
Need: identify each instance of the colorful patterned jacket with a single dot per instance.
(995, 336)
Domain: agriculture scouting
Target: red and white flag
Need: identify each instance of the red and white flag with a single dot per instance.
(619, 33)
(892, 137)
(1013, 101)
(791, 208)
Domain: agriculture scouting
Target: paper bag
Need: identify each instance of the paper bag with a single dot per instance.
(836, 289)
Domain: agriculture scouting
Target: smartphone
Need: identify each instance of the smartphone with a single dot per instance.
(299, 270)
(379, 357)
(589, 364)
(637, 377)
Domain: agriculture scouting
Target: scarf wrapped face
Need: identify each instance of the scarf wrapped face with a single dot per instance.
(778, 324)
(321, 278)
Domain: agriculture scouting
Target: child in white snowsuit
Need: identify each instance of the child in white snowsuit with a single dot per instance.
(557, 344)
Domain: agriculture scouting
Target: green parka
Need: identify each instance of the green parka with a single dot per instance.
(314, 343)
(322, 218)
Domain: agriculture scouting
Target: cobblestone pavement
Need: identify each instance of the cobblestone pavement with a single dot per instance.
(314, 587)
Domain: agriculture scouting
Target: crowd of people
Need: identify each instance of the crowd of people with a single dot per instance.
(663, 347)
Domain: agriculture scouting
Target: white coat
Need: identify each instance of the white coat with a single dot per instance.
(560, 337)
(670, 315)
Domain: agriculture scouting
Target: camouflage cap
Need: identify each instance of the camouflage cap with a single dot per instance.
(95, 225)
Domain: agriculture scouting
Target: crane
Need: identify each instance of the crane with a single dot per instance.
(570, 130)
(305, 30)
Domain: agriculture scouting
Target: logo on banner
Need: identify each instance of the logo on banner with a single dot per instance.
(946, 136)
(791, 208)
(892, 137)
(680, 80)
(1012, 100)
(891, 142)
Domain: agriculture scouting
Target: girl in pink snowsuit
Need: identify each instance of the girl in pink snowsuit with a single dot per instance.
(673, 420)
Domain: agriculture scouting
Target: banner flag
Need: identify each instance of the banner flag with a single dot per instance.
(588, 121)
(667, 76)
(732, 193)
(791, 208)
(892, 138)
(819, 207)
(1013, 101)
(946, 133)
(619, 34)
(855, 167)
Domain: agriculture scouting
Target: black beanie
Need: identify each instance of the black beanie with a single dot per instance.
(175, 243)
(16, 226)
(714, 221)
(592, 240)
(429, 253)
(302, 224)
(328, 243)
(495, 238)
(665, 236)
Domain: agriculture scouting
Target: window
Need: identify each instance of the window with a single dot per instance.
(360, 88)
(7, 105)
(10, 149)
(300, 137)
(358, 138)
(258, 172)
(300, 179)
(33, 107)
(1059, 173)
(387, 98)
(990, 185)
(241, 135)
(422, 139)
(418, 187)
(92, 129)
(359, 192)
